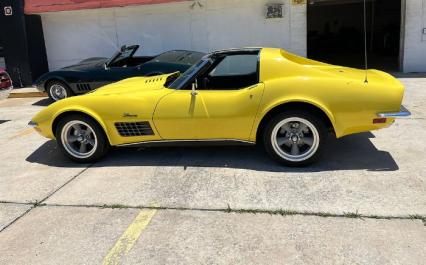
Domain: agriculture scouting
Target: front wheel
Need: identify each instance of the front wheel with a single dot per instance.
(294, 138)
(58, 90)
(81, 139)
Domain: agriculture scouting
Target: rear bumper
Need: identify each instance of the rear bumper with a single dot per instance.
(401, 114)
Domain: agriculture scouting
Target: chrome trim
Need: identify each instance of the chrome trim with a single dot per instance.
(295, 139)
(403, 113)
(189, 141)
(33, 124)
(129, 115)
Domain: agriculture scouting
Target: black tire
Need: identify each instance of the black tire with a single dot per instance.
(102, 143)
(52, 96)
(279, 153)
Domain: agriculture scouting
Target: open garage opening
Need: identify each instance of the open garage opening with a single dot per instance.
(336, 32)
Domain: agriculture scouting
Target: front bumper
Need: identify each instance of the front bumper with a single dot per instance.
(404, 112)
(33, 124)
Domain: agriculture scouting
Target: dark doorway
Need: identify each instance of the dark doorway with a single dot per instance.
(336, 32)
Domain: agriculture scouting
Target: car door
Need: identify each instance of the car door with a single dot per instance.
(223, 107)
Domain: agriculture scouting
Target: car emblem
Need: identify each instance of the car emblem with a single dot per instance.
(128, 115)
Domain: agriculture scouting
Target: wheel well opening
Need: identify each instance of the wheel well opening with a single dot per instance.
(49, 81)
(68, 113)
(301, 106)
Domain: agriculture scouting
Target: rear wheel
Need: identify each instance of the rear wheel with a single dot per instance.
(294, 138)
(81, 138)
(58, 90)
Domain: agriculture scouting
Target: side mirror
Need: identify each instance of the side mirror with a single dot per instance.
(194, 88)
(123, 48)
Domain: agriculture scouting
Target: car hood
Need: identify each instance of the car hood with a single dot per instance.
(134, 85)
(88, 64)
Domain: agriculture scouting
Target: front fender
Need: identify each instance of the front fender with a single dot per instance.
(81, 109)
(40, 83)
(47, 118)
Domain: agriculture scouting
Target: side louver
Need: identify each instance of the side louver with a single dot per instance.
(128, 129)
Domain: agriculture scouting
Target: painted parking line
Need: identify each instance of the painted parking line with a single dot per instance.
(23, 133)
(125, 243)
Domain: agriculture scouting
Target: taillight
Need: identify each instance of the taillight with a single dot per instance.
(379, 120)
(5, 81)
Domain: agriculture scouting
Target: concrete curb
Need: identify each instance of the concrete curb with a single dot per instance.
(28, 95)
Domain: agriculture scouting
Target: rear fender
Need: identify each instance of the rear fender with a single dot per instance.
(283, 101)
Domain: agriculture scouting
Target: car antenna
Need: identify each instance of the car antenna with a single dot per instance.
(365, 43)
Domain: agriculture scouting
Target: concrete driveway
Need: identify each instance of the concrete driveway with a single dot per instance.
(363, 203)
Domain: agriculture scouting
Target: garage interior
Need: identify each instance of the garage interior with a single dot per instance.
(336, 32)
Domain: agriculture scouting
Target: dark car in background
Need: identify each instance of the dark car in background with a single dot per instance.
(92, 73)
(5, 84)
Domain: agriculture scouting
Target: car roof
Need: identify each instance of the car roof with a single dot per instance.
(182, 51)
(237, 51)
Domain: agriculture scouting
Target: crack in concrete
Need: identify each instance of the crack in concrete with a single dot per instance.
(37, 203)
(63, 185)
(282, 212)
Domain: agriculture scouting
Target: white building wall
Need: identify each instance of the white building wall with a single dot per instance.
(415, 39)
(75, 35)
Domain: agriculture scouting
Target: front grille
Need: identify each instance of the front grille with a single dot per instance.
(83, 87)
(128, 129)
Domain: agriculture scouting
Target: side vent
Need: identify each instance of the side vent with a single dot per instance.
(83, 87)
(128, 129)
(154, 79)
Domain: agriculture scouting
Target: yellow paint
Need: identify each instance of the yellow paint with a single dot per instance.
(211, 114)
(22, 133)
(127, 240)
(340, 92)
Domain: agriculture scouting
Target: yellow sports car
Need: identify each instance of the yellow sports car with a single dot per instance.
(246, 96)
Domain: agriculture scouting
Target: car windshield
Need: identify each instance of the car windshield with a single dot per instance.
(184, 78)
(180, 57)
(121, 55)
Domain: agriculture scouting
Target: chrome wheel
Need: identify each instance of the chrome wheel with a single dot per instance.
(79, 139)
(58, 92)
(295, 139)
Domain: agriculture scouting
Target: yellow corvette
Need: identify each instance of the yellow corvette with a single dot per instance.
(286, 102)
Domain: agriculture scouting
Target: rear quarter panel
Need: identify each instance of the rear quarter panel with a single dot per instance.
(350, 103)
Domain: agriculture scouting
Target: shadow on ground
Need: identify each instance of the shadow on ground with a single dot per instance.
(354, 152)
(43, 102)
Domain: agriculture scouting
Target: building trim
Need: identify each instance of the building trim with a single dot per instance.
(402, 35)
(43, 6)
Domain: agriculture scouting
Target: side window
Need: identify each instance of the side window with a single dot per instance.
(236, 65)
(232, 72)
